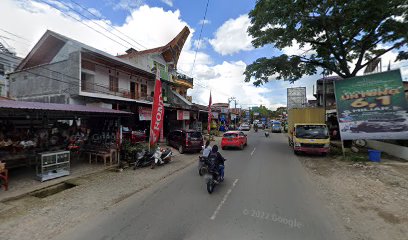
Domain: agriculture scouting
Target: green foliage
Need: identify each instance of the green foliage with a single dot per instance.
(340, 36)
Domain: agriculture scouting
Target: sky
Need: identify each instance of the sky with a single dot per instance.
(223, 51)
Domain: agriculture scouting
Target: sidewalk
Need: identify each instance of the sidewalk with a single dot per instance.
(44, 218)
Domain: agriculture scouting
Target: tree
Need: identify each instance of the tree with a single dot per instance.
(339, 36)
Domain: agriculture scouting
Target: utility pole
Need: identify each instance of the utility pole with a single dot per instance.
(233, 99)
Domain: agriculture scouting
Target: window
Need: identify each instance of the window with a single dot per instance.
(87, 82)
(1, 69)
(113, 84)
(143, 89)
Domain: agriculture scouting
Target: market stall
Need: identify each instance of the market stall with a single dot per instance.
(49, 136)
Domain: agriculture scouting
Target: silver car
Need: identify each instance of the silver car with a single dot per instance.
(245, 127)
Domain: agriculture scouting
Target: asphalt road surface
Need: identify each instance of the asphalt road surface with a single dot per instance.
(266, 195)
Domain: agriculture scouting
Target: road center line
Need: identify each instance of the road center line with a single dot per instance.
(252, 153)
(224, 199)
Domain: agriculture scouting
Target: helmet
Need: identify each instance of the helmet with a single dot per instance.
(215, 148)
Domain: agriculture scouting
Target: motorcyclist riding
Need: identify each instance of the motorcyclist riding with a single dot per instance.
(219, 161)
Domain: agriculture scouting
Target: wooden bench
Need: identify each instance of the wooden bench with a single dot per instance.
(104, 155)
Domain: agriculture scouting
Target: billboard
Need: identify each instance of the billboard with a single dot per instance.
(296, 97)
(372, 107)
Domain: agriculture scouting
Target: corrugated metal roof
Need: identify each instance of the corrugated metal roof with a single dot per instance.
(7, 104)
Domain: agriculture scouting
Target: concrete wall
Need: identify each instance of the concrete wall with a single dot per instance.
(391, 149)
(9, 62)
(52, 83)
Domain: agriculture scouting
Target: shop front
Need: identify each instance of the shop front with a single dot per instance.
(50, 139)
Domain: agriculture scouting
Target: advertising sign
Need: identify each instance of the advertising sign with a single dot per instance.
(372, 107)
(233, 116)
(214, 115)
(256, 113)
(156, 124)
(145, 114)
(183, 115)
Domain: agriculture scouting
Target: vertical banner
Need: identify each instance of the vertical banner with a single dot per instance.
(372, 107)
(156, 124)
(209, 115)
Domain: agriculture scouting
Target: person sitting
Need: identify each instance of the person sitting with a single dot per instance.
(219, 161)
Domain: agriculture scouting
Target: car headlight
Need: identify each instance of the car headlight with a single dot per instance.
(297, 144)
(327, 145)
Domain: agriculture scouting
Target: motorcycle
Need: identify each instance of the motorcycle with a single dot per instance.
(161, 156)
(143, 159)
(202, 165)
(214, 175)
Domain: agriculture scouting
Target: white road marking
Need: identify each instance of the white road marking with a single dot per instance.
(224, 199)
(252, 153)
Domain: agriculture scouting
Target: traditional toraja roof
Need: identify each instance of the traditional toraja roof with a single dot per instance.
(170, 52)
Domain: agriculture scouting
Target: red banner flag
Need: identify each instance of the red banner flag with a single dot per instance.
(156, 123)
(209, 115)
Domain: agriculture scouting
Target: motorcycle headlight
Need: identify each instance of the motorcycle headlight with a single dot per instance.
(297, 144)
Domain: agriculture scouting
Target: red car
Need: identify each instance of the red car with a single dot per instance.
(234, 139)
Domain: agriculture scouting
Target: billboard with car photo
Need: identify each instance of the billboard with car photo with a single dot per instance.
(372, 107)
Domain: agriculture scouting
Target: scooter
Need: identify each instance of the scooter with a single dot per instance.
(143, 159)
(161, 156)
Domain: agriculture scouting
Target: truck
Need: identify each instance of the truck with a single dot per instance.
(307, 131)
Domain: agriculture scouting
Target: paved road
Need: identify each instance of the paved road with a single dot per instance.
(266, 195)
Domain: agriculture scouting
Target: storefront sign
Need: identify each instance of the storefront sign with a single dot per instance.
(145, 114)
(233, 116)
(214, 115)
(224, 110)
(372, 107)
(183, 115)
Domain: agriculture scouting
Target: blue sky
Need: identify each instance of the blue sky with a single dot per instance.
(225, 49)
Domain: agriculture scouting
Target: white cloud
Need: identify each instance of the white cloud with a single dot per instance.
(168, 2)
(227, 80)
(200, 44)
(204, 21)
(296, 49)
(232, 36)
(128, 5)
(95, 12)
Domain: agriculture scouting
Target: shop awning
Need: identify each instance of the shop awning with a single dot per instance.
(9, 108)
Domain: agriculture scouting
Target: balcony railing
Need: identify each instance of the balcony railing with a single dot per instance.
(184, 78)
(120, 93)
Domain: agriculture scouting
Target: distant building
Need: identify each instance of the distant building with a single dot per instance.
(326, 95)
(8, 62)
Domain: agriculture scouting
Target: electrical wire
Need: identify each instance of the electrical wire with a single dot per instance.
(67, 15)
(113, 27)
(199, 37)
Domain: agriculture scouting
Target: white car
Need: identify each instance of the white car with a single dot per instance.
(245, 127)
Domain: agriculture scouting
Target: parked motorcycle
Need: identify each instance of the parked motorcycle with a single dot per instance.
(143, 159)
(161, 156)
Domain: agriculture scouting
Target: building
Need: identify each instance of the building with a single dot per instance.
(326, 98)
(62, 70)
(8, 62)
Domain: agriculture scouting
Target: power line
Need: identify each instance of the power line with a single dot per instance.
(67, 15)
(199, 37)
(108, 24)
(14, 34)
(96, 23)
